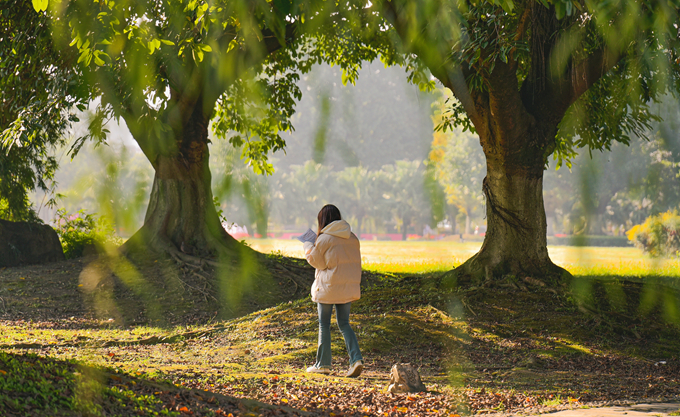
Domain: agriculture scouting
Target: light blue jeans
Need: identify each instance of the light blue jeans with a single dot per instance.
(323, 353)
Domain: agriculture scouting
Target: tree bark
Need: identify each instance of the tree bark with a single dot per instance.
(515, 243)
(516, 143)
(181, 211)
(181, 216)
(517, 124)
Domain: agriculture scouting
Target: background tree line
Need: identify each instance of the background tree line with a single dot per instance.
(372, 150)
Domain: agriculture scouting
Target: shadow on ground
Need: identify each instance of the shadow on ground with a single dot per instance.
(506, 347)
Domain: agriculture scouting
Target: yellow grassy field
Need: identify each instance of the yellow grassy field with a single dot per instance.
(417, 256)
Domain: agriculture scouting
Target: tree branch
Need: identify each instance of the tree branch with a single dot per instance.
(455, 80)
(272, 42)
(239, 58)
(564, 90)
(523, 22)
(508, 116)
(589, 71)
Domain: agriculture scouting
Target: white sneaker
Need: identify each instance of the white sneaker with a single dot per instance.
(317, 370)
(355, 369)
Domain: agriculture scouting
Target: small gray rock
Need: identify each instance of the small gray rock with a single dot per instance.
(404, 377)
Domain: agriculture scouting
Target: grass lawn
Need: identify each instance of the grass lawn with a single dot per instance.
(414, 257)
(73, 347)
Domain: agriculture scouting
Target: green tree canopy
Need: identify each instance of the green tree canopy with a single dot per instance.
(534, 78)
(40, 90)
(170, 69)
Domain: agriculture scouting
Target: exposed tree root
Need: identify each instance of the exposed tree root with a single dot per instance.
(484, 271)
(233, 279)
(202, 291)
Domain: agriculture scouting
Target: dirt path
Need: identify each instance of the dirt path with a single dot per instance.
(636, 410)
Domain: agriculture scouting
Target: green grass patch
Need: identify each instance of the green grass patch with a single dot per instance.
(418, 257)
(32, 385)
(499, 347)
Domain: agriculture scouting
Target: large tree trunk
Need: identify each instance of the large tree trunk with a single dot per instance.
(181, 210)
(181, 216)
(515, 103)
(515, 244)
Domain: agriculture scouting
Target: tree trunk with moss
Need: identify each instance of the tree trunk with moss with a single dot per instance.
(516, 144)
(181, 216)
(515, 242)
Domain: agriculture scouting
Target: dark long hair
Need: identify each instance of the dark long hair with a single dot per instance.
(328, 214)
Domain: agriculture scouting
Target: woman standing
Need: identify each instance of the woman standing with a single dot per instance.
(337, 259)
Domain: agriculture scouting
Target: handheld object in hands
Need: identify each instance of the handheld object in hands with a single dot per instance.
(308, 236)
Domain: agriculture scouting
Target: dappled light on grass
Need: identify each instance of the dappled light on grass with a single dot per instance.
(411, 257)
(496, 348)
(606, 261)
(236, 278)
(414, 257)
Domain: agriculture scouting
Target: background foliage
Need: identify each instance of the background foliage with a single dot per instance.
(352, 165)
(80, 232)
(40, 92)
(659, 235)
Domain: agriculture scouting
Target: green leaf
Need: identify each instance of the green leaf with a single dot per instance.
(191, 6)
(167, 42)
(83, 56)
(232, 44)
(198, 55)
(475, 56)
(40, 5)
(283, 6)
(153, 45)
(507, 5)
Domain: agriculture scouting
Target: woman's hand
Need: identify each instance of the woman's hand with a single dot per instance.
(308, 246)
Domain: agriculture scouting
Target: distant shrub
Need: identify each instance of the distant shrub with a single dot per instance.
(659, 235)
(79, 230)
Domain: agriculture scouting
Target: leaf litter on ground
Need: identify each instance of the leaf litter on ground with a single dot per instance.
(486, 350)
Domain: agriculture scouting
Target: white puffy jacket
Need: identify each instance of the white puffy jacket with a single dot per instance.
(337, 258)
